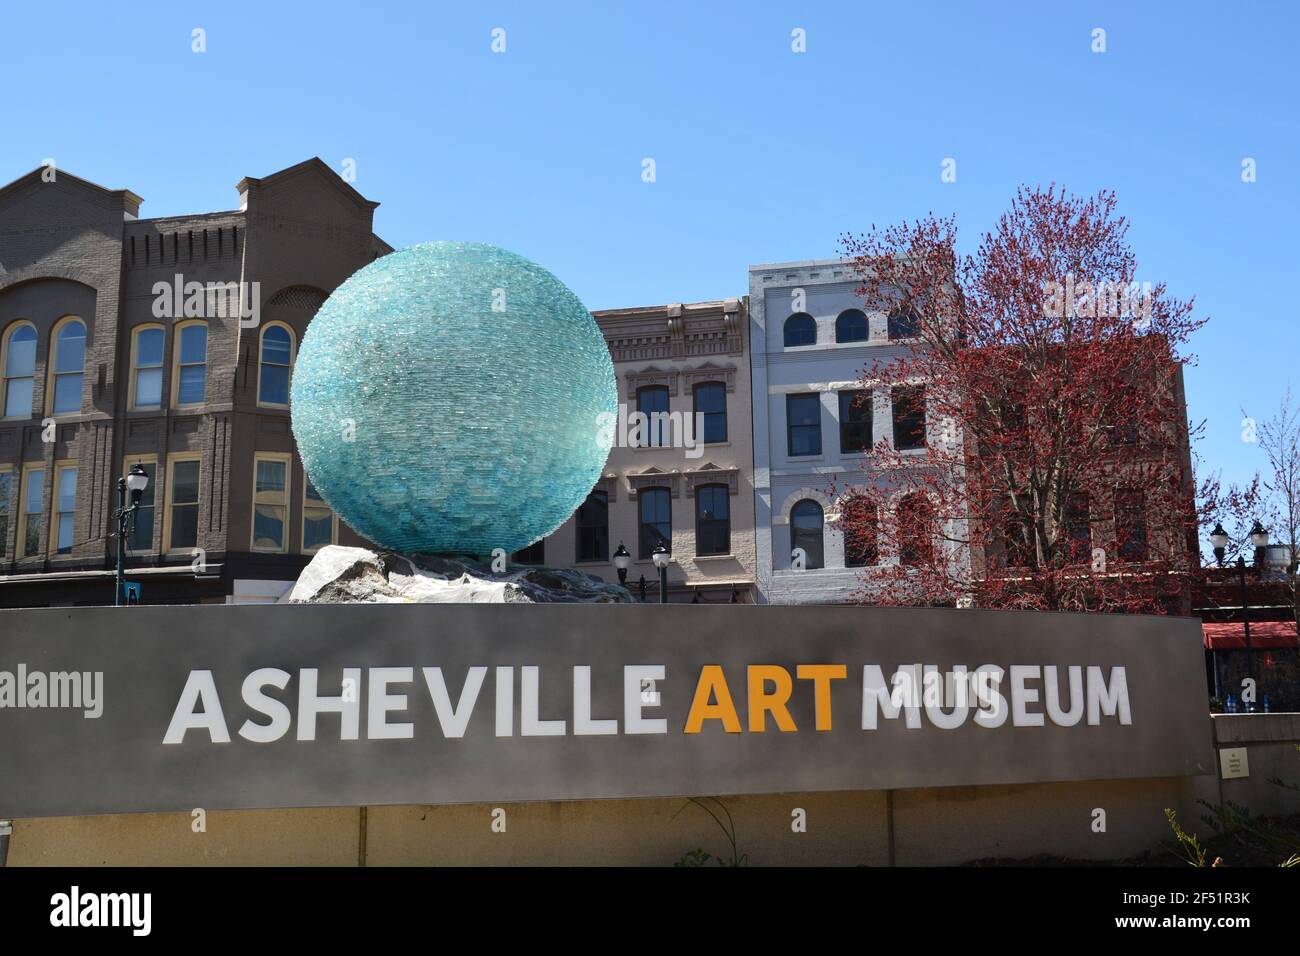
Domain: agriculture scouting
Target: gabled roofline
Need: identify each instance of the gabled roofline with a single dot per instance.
(129, 198)
(248, 181)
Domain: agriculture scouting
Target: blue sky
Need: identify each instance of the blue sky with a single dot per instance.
(761, 154)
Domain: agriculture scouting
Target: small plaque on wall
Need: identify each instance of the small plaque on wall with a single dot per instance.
(1233, 763)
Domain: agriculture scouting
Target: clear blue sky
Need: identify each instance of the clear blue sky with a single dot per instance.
(762, 154)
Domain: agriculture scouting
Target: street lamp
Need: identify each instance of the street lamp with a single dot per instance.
(135, 482)
(1259, 538)
(621, 560)
(661, 557)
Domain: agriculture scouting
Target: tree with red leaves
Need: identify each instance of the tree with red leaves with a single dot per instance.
(1044, 455)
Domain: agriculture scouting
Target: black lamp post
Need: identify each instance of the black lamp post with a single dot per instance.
(1259, 538)
(661, 557)
(621, 561)
(135, 482)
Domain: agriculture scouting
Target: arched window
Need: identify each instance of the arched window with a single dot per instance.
(904, 323)
(806, 520)
(851, 326)
(656, 520)
(711, 402)
(860, 532)
(712, 519)
(800, 329)
(273, 368)
(68, 366)
(147, 367)
(19, 370)
(190, 374)
(915, 531)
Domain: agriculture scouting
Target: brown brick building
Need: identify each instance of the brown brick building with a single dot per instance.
(109, 357)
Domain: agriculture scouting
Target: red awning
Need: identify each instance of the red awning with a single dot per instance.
(1227, 637)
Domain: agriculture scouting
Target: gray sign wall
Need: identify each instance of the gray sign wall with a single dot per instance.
(327, 705)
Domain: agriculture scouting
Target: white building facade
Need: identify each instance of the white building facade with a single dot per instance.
(815, 424)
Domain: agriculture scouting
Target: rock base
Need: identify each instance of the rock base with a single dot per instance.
(339, 575)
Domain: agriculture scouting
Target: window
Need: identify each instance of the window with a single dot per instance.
(140, 536)
(916, 531)
(909, 417)
(191, 371)
(274, 366)
(1131, 524)
(904, 324)
(1123, 396)
(851, 326)
(652, 400)
(30, 527)
(800, 329)
(1014, 419)
(803, 418)
(860, 532)
(147, 367)
(6, 491)
(68, 366)
(593, 527)
(65, 508)
(806, 520)
(1077, 540)
(855, 421)
(656, 520)
(535, 553)
(1018, 538)
(182, 531)
(712, 520)
(270, 502)
(711, 402)
(318, 525)
(19, 370)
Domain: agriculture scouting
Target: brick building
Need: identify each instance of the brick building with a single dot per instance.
(102, 367)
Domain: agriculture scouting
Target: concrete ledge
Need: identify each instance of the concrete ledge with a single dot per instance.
(1245, 728)
(929, 827)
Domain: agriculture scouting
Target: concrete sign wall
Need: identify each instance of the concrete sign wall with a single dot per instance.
(107, 710)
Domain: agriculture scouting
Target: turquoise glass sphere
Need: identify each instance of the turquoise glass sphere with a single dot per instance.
(453, 397)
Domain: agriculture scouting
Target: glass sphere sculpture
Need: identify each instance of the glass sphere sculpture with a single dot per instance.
(453, 398)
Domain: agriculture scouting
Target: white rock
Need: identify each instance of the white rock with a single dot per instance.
(339, 575)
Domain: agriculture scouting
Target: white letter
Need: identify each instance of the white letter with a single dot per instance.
(1063, 718)
(961, 708)
(142, 918)
(633, 701)
(59, 915)
(1103, 699)
(310, 704)
(876, 693)
(992, 710)
(454, 722)
(263, 704)
(199, 687)
(505, 701)
(583, 725)
(380, 702)
(1022, 695)
(530, 725)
